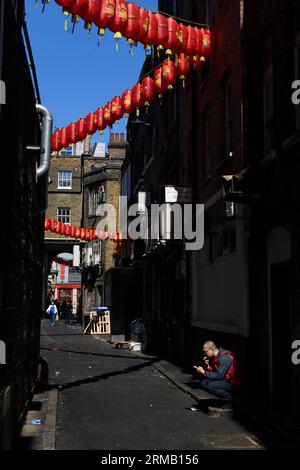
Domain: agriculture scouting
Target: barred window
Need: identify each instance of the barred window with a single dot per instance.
(64, 215)
(65, 180)
(96, 198)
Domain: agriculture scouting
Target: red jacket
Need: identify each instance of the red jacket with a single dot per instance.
(222, 367)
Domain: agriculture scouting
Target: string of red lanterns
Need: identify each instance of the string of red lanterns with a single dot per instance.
(79, 233)
(142, 94)
(139, 25)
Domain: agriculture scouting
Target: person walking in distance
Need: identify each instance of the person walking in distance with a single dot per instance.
(218, 374)
(52, 311)
(68, 312)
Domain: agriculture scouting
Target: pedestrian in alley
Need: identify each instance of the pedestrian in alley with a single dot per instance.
(218, 374)
(63, 309)
(52, 311)
(68, 312)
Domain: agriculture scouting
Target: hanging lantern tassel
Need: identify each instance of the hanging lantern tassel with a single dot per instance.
(131, 44)
(88, 26)
(44, 4)
(100, 33)
(117, 37)
(36, 3)
(66, 15)
(137, 112)
(75, 19)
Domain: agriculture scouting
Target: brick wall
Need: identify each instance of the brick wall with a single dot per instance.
(21, 200)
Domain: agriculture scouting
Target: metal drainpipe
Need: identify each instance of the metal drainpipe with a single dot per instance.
(45, 151)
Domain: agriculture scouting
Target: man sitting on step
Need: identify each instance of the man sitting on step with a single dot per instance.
(218, 375)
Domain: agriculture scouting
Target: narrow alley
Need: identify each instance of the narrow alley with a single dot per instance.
(103, 398)
(150, 226)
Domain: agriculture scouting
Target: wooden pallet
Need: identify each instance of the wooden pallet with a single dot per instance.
(99, 324)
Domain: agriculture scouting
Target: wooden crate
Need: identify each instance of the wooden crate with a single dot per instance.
(101, 324)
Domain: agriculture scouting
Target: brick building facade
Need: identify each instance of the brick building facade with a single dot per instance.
(235, 117)
(101, 185)
(22, 199)
(65, 204)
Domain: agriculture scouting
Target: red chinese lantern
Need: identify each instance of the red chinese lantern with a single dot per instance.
(63, 137)
(71, 129)
(57, 227)
(127, 104)
(62, 228)
(162, 32)
(73, 231)
(81, 130)
(68, 230)
(199, 35)
(82, 234)
(169, 74)
(143, 25)
(120, 20)
(94, 235)
(206, 47)
(75, 8)
(46, 224)
(82, 8)
(172, 43)
(99, 120)
(148, 90)
(106, 16)
(77, 232)
(107, 115)
(116, 108)
(90, 124)
(137, 98)
(191, 46)
(159, 83)
(91, 13)
(150, 37)
(133, 23)
(183, 66)
(55, 142)
(182, 34)
(197, 62)
(51, 225)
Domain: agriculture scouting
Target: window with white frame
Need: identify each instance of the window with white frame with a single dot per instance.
(64, 180)
(64, 215)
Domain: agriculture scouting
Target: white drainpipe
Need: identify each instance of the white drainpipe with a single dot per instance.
(46, 140)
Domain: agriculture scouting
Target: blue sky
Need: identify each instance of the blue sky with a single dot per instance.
(75, 75)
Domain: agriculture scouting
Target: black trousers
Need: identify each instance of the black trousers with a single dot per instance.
(221, 388)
